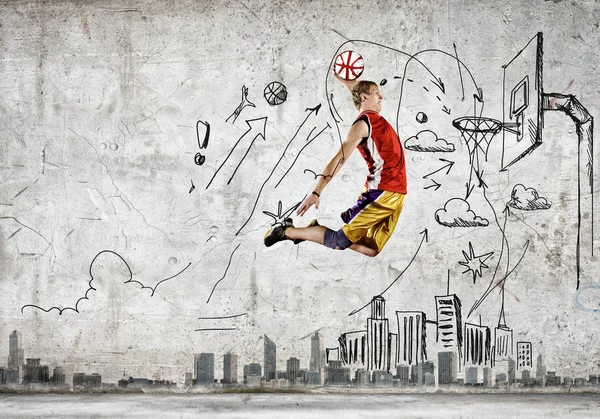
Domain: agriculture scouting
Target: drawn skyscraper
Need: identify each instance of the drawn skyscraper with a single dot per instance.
(503, 337)
(230, 368)
(270, 359)
(449, 322)
(353, 348)
(477, 344)
(204, 368)
(412, 334)
(378, 329)
(524, 355)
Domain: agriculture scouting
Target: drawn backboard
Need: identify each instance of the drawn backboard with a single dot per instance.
(522, 103)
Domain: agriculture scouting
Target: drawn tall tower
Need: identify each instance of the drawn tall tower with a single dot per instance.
(449, 322)
(378, 330)
(503, 337)
(270, 359)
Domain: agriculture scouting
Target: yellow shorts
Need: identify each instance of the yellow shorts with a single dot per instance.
(372, 220)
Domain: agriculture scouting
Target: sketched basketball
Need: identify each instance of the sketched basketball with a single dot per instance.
(349, 65)
(275, 93)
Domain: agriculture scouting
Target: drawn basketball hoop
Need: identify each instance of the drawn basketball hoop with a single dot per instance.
(477, 132)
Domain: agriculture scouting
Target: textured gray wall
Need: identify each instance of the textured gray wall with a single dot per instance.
(99, 110)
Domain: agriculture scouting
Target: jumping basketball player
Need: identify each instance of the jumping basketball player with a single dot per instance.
(370, 223)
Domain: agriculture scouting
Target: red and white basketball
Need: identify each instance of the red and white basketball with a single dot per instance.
(349, 65)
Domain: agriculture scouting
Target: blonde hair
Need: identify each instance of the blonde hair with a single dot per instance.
(360, 87)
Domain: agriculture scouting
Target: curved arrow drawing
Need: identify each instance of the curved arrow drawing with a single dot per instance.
(424, 239)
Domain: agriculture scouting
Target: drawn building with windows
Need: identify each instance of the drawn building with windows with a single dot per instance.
(477, 344)
(378, 329)
(524, 355)
(449, 322)
(353, 348)
(412, 335)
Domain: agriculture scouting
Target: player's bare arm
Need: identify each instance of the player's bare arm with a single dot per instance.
(358, 131)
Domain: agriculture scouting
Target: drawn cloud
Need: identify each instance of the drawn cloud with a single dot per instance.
(527, 199)
(457, 213)
(428, 141)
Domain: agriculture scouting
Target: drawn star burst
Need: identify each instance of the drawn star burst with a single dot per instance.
(475, 263)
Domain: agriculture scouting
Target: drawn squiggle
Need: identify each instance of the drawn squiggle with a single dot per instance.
(91, 288)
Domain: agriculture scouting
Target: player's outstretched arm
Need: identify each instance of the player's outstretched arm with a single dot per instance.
(358, 131)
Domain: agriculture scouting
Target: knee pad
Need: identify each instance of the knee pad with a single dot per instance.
(336, 239)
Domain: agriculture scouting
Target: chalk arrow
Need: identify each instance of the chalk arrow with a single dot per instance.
(435, 185)
(448, 165)
(314, 110)
(258, 126)
(425, 239)
(479, 96)
(438, 82)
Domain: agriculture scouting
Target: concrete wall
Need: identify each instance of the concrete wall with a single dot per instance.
(105, 105)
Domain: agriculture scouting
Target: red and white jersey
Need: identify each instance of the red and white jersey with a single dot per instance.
(383, 153)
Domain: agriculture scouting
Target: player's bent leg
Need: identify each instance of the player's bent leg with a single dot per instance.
(313, 233)
(336, 239)
(365, 250)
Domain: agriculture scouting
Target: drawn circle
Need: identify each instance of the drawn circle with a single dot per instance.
(214, 230)
(275, 93)
(199, 159)
(103, 146)
(346, 178)
(349, 65)
(383, 82)
(173, 261)
(422, 118)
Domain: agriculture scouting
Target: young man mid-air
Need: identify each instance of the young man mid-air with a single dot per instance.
(370, 223)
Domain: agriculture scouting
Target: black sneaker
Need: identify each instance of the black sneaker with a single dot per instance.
(277, 232)
(311, 224)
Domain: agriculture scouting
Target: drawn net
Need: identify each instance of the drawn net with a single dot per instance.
(477, 132)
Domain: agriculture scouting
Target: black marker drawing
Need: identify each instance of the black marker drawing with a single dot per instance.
(301, 150)
(215, 329)
(316, 176)
(280, 217)
(477, 341)
(524, 355)
(223, 317)
(199, 158)
(337, 116)
(428, 141)
(527, 199)
(91, 288)
(192, 187)
(383, 82)
(445, 109)
(421, 118)
(224, 274)
(257, 125)
(425, 239)
(457, 213)
(474, 263)
(275, 93)
(310, 111)
(244, 102)
(447, 166)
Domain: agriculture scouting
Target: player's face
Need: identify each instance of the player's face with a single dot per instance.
(373, 100)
